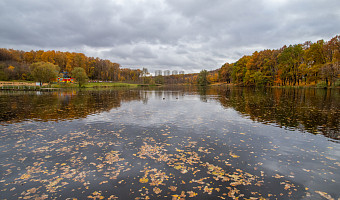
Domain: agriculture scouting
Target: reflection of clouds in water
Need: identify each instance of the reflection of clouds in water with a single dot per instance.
(168, 107)
(294, 154)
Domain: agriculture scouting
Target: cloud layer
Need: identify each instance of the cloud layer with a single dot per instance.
(165, 34)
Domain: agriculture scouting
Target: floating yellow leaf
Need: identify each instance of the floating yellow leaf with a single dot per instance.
(192, 194)
(178, 167)
(25, 176)
(157, 190)
(233, 155)
(143, 180)
(173, 188)
(325, 195)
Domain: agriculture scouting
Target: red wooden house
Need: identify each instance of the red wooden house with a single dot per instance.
(65, 80)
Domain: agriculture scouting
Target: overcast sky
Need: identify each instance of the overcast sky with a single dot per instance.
(187, 35)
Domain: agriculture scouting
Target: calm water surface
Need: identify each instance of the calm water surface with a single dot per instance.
(170, 143)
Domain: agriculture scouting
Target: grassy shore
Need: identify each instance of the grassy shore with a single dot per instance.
(29, 84)
(94, 85)
(108, 84)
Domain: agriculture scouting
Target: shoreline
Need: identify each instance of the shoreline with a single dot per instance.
(31, 86)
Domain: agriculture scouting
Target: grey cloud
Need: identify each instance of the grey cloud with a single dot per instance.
(143, 52)
(191, 35)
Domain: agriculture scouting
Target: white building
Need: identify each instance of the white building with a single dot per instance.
(166, 73)
(158, 73)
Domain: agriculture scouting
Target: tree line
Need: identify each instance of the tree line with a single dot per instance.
(15, 65)
(300, 64)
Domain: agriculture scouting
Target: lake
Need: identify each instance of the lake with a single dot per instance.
(170, 143)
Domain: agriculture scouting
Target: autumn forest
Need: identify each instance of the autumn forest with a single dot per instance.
(310, 63)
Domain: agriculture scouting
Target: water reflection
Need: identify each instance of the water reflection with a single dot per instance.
(312, 110)
(164, 143)
(61, 105)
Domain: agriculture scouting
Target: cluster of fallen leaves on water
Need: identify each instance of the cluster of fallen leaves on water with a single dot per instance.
(171, 171)
(188, 161)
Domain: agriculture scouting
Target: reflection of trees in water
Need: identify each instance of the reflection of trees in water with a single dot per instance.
(312, 110)
(144, 96)
(203, 93)
(61, 105)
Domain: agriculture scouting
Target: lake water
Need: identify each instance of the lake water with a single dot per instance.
(170, 143)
